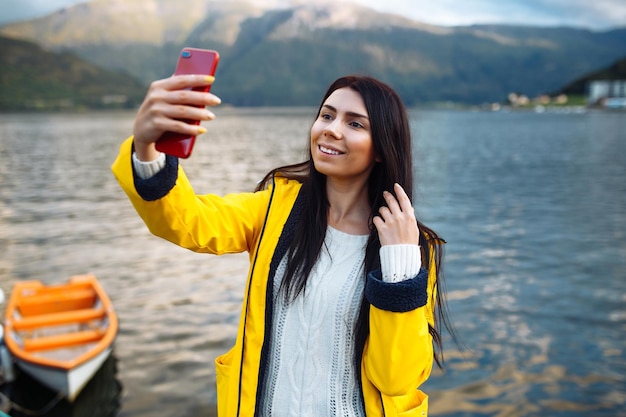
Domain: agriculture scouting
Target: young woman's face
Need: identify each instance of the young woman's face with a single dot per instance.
(341, 139)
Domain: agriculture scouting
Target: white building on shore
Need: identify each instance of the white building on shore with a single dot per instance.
(601, 91)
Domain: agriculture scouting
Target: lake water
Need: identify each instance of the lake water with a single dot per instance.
(533, 206)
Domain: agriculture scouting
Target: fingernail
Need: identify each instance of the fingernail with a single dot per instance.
(209, 79)
(201, 130)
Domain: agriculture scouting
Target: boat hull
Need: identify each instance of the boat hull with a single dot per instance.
(69, 383)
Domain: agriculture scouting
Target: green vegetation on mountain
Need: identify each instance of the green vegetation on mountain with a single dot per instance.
(288, 56)
(615, 71)
(461, 66)
(34, 79)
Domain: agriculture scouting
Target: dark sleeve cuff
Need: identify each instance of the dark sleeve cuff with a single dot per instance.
(161, 183)
(398, 297)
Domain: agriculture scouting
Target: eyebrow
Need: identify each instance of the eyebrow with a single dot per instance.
(349, 113)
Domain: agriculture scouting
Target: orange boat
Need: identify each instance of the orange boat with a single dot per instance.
(60, 334)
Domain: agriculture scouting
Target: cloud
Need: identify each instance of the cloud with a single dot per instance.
(594, 14)
(12, 10)
(597, 14)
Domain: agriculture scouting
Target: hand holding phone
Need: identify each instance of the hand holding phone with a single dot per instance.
(190, 61)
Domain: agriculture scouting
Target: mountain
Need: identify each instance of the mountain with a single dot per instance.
(31, 78)
(288, 55)
(615, 71)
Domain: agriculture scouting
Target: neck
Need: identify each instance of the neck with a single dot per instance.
(349, 209)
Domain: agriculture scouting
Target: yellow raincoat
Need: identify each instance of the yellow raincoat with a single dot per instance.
(398, 354)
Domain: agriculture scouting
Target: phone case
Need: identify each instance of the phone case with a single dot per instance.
(190, 61)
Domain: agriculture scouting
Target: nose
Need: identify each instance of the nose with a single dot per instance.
(333, 129)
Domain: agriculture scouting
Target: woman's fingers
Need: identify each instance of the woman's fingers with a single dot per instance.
(168, 124)
(396, 223)
(404, 200)
(169, 103)
(399, 205)
(182, 82)
(179, 89)
(392, 203)
(181, 111)
(191, 98)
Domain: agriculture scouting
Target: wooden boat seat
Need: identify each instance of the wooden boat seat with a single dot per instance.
(55, 302)
(66, 317)
(62, 340)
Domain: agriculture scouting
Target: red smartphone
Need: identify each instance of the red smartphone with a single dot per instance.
(190, 61)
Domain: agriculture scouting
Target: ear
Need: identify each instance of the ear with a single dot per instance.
(377, 158)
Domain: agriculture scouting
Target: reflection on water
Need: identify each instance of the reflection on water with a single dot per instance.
(533, 207)
(101, 397)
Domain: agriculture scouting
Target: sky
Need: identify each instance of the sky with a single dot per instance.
(590, 14)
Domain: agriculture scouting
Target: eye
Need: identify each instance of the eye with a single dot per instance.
(357, 125)
(325, 116)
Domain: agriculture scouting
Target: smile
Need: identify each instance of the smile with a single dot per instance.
(328, 151)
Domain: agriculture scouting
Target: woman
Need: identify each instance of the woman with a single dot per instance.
(338, 315)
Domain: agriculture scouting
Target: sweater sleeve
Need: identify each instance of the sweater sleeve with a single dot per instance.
(400, 262)
(148, 169)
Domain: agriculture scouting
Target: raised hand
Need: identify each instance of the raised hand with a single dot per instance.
(167, 101)
(396, 223)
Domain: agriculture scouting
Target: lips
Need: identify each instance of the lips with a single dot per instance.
(326, 150)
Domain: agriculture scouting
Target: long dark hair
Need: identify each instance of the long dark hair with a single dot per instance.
(391, 137)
